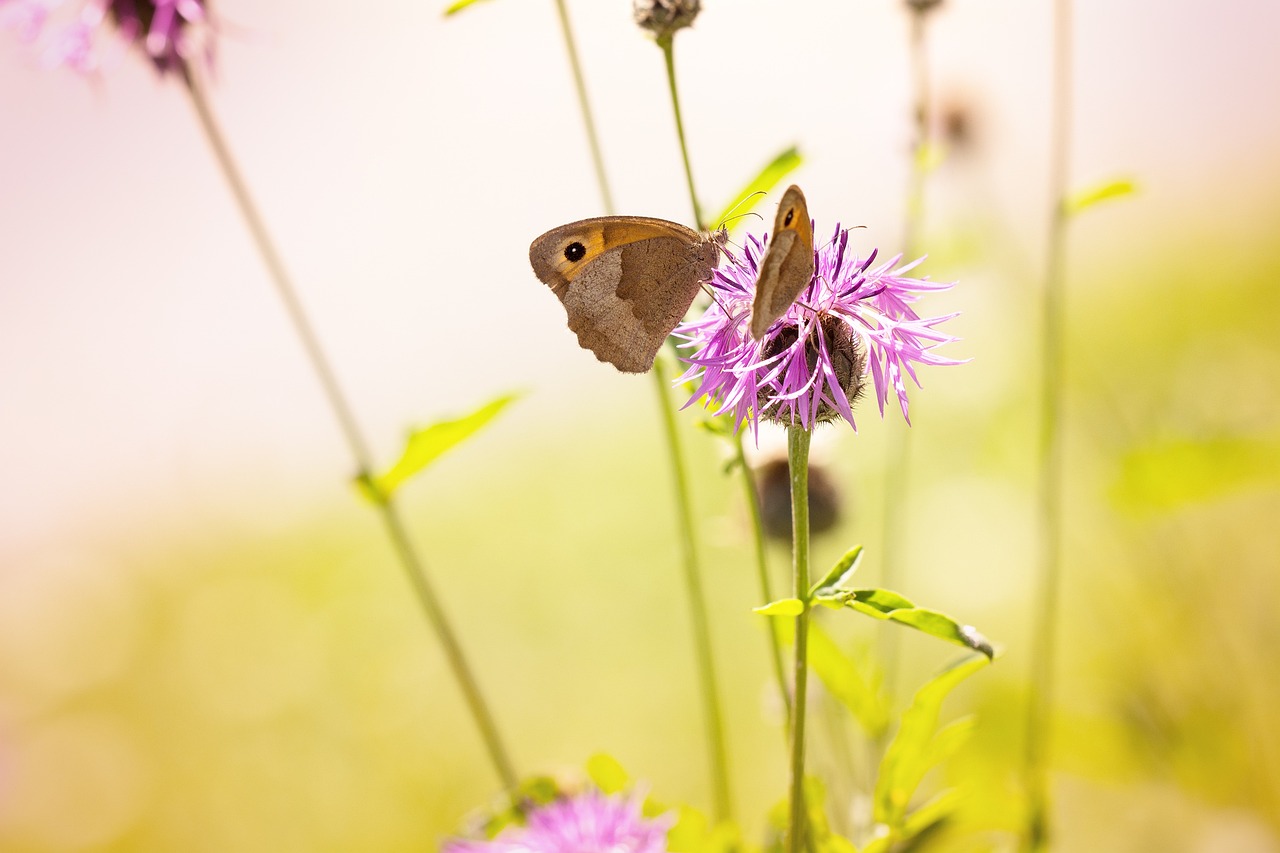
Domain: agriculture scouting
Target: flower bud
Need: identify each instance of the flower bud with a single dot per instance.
(773, 480)
(664, 17)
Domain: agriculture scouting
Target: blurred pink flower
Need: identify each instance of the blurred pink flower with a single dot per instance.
(588, 823)
(69, 32)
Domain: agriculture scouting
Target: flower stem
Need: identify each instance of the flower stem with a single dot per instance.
(798, 459)
(667, 44)
(403, 545)
(684, 511)
(762, 567)
(898, 456)
(1043, 650)
(588, 120)
(697, 604)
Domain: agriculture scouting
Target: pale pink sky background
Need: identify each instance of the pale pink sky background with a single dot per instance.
(404, 163)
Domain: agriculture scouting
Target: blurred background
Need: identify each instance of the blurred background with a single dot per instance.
(205, 640)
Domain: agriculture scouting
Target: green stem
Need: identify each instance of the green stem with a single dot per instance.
(342, 410)
(762, 567)
(697, 604)
(588, 121)
(1043, 650)
(668, 54)
(798, 459)
(898, 456)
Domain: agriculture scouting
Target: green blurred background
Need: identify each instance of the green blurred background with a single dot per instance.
(205, 641)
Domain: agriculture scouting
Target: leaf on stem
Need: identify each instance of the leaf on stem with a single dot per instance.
(886, 604)
(428, 444)
(768, 178)
(781, 607)
(457, 6)
(841, 571)
(1086, 198)
(915, 748)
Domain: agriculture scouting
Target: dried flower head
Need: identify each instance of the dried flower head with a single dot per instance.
(664, 17)
(168, 31)
(589, 822)
(853, 321)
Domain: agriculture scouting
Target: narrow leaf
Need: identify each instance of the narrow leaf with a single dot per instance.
(457, 6)
(841, 571)
(940, 747)
(1089, 196)
(428, 444)
(781, 607)
(847, 683)
(768, 178)
(907, 758)
(932, 813)
(886, 604)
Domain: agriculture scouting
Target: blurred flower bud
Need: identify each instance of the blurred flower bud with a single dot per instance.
(664, 17)
(773, 480)
(922, 6)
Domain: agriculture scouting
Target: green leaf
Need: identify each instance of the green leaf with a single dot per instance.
(1088, 197)
(932, 813)
(940, 747)
(428, 444)
(907, 759)
(768, 178)
(694, 833)
(886, 604)
(841, 571)
(457, 6)
(846, 682)
(781, 607)
(607, 773)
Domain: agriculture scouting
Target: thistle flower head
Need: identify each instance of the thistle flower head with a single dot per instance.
(853, 321)
(589, 822)
(664, 18)
(70, 32)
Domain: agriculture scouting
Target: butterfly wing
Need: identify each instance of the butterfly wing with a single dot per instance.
(625, 282)
(787, 266)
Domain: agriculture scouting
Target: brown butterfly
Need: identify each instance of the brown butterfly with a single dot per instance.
(787, 266)
(625, 281)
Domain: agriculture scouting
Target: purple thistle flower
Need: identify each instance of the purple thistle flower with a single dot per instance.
(168, 31)
(852, 320)
(587, 823)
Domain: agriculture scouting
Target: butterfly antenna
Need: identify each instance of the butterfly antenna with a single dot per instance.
(729, 217)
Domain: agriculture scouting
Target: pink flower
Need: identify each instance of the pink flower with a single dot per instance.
(588, 823)
(169, 32)
(854, 321)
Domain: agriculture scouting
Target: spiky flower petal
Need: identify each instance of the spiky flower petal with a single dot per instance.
(854, 321)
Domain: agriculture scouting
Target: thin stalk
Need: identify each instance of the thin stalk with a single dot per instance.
(404, 548)
(798, 461)
(898, 464)
(588, 120)
(668, 55)
(684, 510)
(697, 604)
(762, 568)
(1044, 643)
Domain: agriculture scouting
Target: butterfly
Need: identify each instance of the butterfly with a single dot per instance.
(625, 281)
